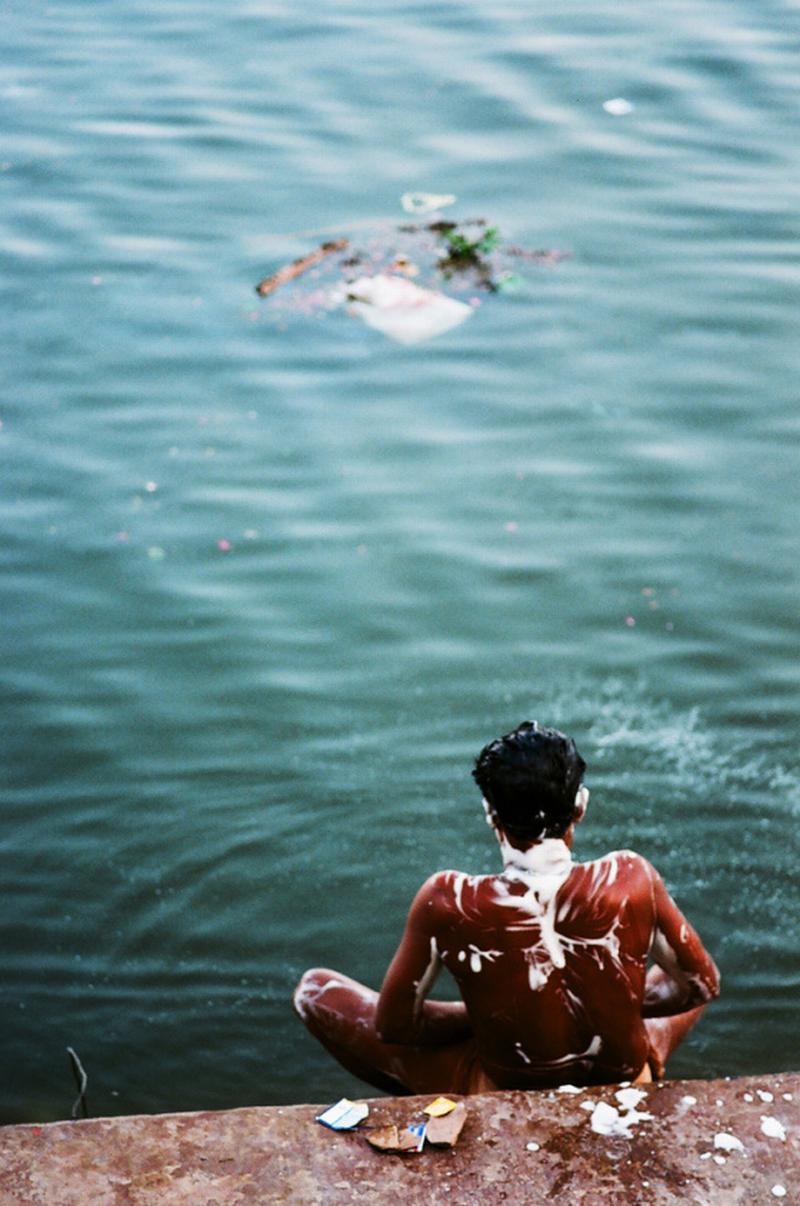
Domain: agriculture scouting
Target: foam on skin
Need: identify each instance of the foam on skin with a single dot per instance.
(459, 883)
(476, 954)
(423, 986)
(586, 1056)
(309, 993)
(569, 933)
(522, 1054)
(543, 868)
(664, 955)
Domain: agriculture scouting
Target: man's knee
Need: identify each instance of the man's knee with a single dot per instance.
(310, 987)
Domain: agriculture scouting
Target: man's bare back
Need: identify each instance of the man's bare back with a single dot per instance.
(550, 957)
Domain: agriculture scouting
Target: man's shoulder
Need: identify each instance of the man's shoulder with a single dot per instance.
(625, 866)
(447, 888)
(624, 858)
(450, 880)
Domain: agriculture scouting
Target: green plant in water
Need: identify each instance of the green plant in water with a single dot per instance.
(462, 254)
(461, 248)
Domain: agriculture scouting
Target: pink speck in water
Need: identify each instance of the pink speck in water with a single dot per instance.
(224, 546)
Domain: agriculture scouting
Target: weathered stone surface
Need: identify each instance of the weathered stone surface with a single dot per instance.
(281, 1155)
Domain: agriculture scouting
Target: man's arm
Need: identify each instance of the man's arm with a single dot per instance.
(685, 975)
(403, 1014)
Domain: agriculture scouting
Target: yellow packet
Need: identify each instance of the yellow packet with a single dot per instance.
(440, 1107)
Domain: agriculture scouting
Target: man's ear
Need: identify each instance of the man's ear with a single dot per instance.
(489, 814)
(581, 804)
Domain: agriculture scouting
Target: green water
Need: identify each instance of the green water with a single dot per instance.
(224, 765)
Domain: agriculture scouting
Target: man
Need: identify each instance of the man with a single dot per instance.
(550, 956)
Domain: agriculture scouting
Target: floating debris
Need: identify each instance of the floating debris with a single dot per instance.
(426, 203)
(462, 253)
(445, 258)
(402, 310)
(509, 282)
(297, 267)
(617, 106)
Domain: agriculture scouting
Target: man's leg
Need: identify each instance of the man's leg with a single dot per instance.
(665, 1034)
(340, 1012)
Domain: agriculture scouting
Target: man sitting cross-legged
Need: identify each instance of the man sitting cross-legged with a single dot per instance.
(550, 956)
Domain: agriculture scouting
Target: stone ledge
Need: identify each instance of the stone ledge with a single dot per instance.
(281, 1155)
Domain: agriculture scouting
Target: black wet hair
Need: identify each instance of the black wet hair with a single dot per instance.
(529, 778)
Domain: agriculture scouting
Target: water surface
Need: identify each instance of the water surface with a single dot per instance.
(223, 765)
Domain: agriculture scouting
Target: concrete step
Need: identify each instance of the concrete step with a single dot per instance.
(516, 1147)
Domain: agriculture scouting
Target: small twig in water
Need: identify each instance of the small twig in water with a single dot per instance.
(541, 255)
(297, 267)
(81, 1080)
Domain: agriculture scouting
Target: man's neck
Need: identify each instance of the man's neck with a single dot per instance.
(549, 858)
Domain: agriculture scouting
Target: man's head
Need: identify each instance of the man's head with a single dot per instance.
(529, 779)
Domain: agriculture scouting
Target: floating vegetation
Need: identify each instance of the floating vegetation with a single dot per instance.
(371, 275)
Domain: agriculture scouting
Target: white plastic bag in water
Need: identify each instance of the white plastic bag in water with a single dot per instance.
(402, 310)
